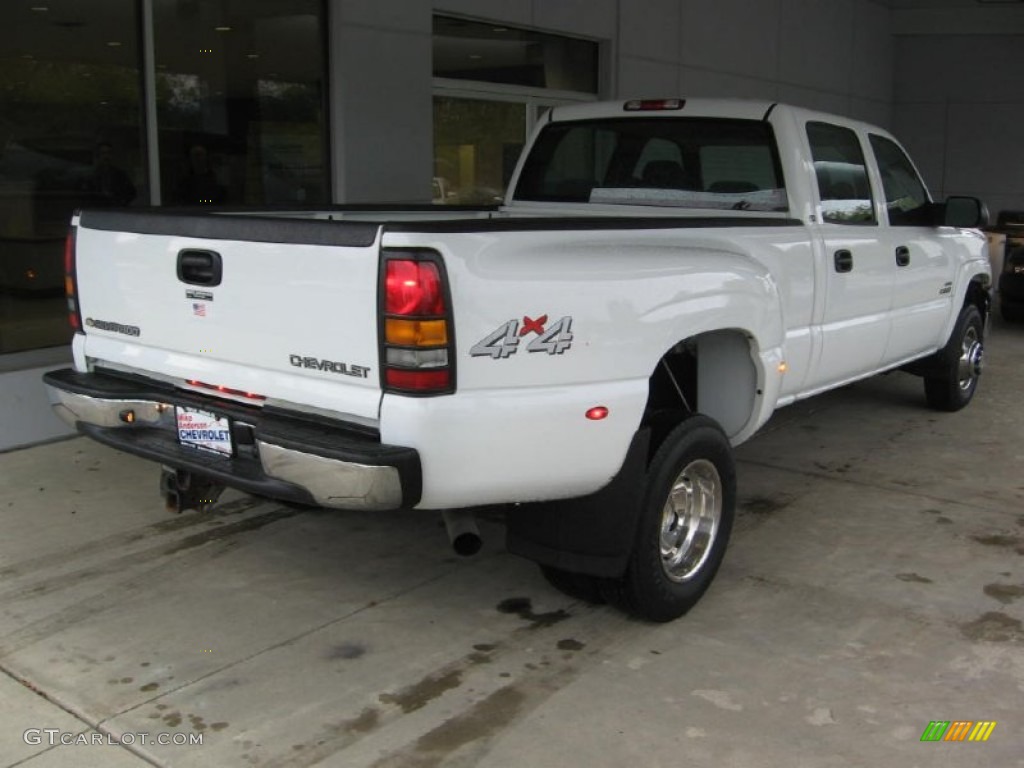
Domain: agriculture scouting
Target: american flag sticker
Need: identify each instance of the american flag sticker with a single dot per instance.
(199, 309)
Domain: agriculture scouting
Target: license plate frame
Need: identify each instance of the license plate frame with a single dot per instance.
(204, 430)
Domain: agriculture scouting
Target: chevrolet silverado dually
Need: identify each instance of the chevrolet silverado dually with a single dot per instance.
(662, 276)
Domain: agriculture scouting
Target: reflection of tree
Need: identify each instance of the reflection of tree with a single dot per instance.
(179, 93)
(59, 98)
(849, 211)
(472, 143)
(289, 102)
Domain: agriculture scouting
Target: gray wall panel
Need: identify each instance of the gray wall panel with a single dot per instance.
(644, 78)
(959, 108)
(733, 36)
(650, 29)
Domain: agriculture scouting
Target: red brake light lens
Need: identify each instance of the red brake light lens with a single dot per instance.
(418, 380)
(413, 288)
(417, 350)
(653, 105)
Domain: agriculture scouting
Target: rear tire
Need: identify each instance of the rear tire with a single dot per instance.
(578, 586)
(684, 523)
(960, 363)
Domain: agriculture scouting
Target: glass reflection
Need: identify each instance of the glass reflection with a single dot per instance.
(69, 137)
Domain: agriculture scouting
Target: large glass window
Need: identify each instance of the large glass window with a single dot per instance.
(476, 145)
(683, 162)
(70, 135)
(240, 102)
(239, 120)
(494, 53)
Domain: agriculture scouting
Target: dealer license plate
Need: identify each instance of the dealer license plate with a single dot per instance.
(204, 430)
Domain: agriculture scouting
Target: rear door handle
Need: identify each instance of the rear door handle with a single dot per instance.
(902, 256)
(197, 267)
(844, 261)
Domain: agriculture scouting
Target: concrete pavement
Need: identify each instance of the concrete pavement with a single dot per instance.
(874, 584)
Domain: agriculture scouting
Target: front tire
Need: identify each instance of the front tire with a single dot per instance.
(960, 363)
(684, 523)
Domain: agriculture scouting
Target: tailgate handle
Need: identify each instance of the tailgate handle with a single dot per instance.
(199, 267)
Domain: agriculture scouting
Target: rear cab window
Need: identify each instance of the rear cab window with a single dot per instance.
(701, 163)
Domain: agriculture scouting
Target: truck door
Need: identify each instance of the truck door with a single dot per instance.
(923, 284)
(858, 269)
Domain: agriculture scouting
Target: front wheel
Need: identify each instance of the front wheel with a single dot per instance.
(684, 523)
(960, 363)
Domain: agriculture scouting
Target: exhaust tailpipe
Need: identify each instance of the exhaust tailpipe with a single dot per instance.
(462, 531)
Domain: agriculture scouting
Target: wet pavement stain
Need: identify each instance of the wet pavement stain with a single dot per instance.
(346, 651)
(365, 722)
(764, 505)
(173, 719)
(1002, 540)
(149, 687)
(523, 608)
(242, 526)
(914, 578)
(420, 694)
(484, 647)
(1004, 593)
(482, 721)
(570, 644)
(994, 627)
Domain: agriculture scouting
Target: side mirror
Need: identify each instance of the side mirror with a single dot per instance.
(965, 212)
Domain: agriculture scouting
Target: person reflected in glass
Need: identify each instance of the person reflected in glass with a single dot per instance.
(199, 184)
(107, 185)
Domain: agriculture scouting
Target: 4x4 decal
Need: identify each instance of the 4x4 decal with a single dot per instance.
(503, 341)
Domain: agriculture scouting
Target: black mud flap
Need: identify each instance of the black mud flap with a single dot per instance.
(591, 535)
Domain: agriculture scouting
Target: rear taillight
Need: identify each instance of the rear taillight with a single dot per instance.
(70, 282)
(417, 344)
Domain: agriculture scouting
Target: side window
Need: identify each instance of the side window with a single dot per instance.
(842, 175)
(905, 195)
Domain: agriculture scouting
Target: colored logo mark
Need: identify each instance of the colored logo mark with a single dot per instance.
(958, 730)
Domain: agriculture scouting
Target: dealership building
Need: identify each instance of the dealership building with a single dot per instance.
(287, 103)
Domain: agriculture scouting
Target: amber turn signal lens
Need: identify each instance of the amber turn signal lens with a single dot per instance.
(416, 333)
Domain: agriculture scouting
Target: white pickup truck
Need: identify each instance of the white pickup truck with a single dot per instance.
(662, 276)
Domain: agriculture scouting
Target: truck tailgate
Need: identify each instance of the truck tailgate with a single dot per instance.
(279, 307)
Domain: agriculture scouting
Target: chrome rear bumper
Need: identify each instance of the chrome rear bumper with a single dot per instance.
(277, 454)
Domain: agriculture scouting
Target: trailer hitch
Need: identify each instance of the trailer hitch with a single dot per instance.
(183, 490)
